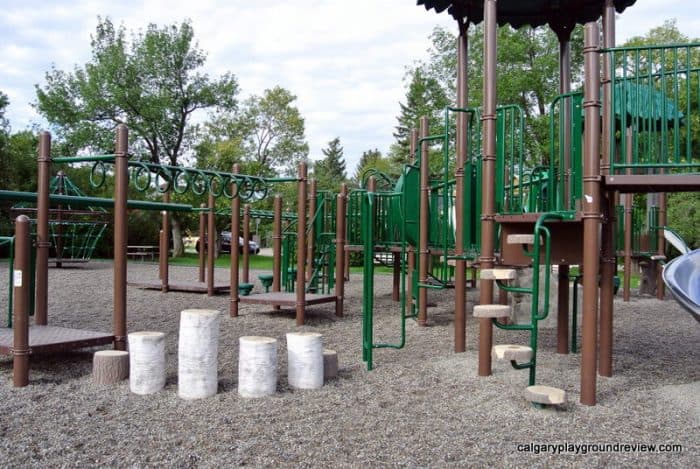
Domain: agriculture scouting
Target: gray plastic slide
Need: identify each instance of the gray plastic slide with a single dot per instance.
(682, 277)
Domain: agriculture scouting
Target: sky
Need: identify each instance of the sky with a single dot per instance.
(345, 60)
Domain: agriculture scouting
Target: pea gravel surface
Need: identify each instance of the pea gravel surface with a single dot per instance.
(422, 406)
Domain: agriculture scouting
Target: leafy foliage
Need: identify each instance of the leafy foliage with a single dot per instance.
(330, 171)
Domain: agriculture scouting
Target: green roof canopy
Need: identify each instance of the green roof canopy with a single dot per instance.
(560, 15)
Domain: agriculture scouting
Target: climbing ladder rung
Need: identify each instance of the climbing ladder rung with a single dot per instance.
(497, 274)
(521, 353)
(521, 239)
(545, 395)
(491, 311)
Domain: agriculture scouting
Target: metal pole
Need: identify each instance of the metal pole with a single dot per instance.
(346, 254)
(211, 243)
(461, 158)
(121, 186)
(410, 270)
(277, 246)
(591, 213)
(608, 260)
(339, 254)
(42, 230)
(61, 184)
(661, 242)
(235, 228)
(165, 273)
(246, 241)
(423, 251)
(563, 280)
(488, 118)
(20, 318)
(312, 232)
(301, 244)
(396, 276)
(628, 199)
(202, 249)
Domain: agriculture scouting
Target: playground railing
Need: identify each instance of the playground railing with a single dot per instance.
(656, 93)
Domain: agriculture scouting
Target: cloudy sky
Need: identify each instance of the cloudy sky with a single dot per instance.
(344, 59)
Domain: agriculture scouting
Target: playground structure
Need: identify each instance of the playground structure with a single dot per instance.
(513, 210)
(42, 338)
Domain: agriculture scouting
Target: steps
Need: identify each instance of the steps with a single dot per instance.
(497, 274)
(519, 353)
(548, 395)
(491, 311)
(522, 239)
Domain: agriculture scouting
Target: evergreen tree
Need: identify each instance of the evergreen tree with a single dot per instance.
(330, 171)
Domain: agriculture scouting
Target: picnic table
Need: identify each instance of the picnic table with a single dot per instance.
(142, 252)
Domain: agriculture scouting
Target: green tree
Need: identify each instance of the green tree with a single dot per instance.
(373, 160)
(152, 83)
(272, 132)
(330, 171)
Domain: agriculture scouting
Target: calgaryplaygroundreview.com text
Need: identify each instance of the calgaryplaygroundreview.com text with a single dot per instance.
(586, 448)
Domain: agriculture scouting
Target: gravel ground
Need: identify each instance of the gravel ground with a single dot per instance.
(421, 406)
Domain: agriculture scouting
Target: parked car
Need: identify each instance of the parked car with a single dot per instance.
(225, 244)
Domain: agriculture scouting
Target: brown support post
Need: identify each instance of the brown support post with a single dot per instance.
(61, 184)
(660, 285)
(164, 250)
(246, 241)
(235, 228)
(488, 118)
(563, 310)
(277, 246)
(628, 199)
(563, 279)
(339, 254)
(410, 272)
(202, 234)
(608, 260)
(423, 252)
(211, 243)
(160, 254)
(42, 231)
(591, 213)
(121, 186)
(461, 157)
(311, 236)
(301, 245)
(20, 314)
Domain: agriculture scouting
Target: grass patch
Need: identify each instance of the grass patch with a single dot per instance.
(257, 262)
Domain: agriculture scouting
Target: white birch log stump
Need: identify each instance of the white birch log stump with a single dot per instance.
(330, 364)
(257, 366)
(304, 360)
(198, 351)
(110, 366)
(146, 362)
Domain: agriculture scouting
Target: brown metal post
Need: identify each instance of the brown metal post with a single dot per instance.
(627, 203)
(42, 231)
(121, 186)
(591, 213)
(301, 245)
(60, 186)
(396, 277)
(488, 118)
(461, 157)
(410, 272)
(563, 310)
(660, 285)
(160, 254)
(246, 241)
(311, 238)
(423, 252)
(339, 254)
(164, 250)
(235, 228)
(277, 246)
(202, 249)
(20, 314)
(608, 260)
(211, 242)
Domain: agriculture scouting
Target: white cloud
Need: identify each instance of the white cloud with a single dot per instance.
(345, 60)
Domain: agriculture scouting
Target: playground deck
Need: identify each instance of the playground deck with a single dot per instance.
(285, 299)
(186, 287)
(46, 339)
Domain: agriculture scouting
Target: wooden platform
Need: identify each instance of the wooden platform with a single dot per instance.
(44, 339)
(285, 299)
(653, 183)
(187, 287)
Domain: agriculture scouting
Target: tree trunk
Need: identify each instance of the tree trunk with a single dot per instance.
(110, 366)
(178, 246)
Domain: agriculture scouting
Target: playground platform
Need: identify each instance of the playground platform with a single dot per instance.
(46, 339)
(180, 286)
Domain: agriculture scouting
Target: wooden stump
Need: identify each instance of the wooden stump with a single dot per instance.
(330, 364)
(110, 366)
